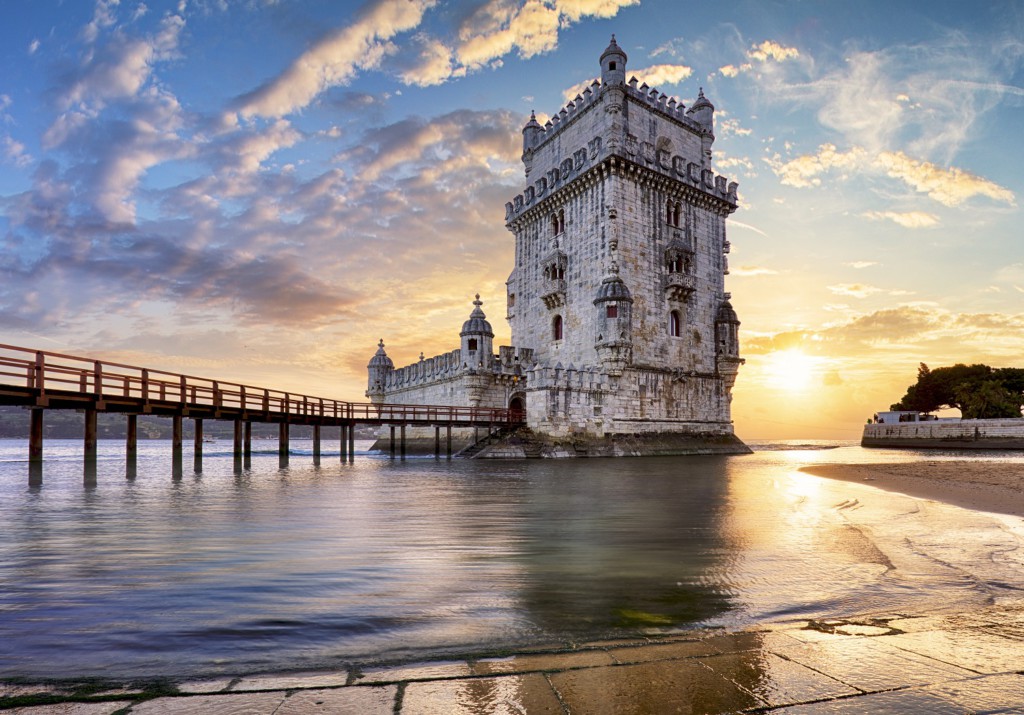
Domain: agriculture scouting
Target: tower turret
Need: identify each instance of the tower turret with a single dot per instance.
(614, 341)
(379, 368)
(477, 339)
(613, 65)
(703, 112)
(727, 344)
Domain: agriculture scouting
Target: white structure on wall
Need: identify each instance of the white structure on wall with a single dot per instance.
(623, 331)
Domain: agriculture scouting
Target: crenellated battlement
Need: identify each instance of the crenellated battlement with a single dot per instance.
(447, 366)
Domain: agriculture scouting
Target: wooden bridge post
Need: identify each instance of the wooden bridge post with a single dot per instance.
(392, 450)
(247, 446)
(282, 443)
(198, 445)
(131, 446)
(403, 441)
(437, 441)
(352, 442)
(35, 447)
(344, 441)
(449, 440)
(90, 447)
(316, 444)
(176, 446)
(236, 447)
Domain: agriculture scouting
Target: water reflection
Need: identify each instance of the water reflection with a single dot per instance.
(282, 564)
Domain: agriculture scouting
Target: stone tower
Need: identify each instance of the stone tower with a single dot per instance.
(618, 286)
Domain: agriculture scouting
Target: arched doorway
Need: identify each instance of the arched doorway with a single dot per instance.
(517, 405)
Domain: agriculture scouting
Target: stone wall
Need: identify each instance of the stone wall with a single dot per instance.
(989, 434)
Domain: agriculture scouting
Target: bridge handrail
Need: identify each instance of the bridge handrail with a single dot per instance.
(42, 370)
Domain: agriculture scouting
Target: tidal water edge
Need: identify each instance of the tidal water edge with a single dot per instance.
(304, 566)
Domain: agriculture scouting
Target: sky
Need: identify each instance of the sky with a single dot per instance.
(260, 190)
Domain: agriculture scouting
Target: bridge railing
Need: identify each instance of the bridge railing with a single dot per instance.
(43, 371)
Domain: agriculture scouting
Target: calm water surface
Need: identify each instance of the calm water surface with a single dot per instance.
(302, 566)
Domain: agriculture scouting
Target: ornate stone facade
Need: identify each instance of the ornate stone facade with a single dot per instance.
(617, 299)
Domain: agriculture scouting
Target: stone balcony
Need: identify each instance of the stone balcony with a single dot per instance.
(679, 286)
(553, 293)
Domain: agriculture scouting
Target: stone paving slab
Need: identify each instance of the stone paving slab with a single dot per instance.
(962, 663)
(506, 695)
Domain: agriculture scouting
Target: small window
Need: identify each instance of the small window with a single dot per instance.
(556, 328)
(471, 343)
(674, 324)
(612, 311)
(511, 300)
(611, 66)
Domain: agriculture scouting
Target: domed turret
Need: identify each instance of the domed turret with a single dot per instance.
(531, 132)
(477, 337)
(378, 370)
(614, 340)
(703, 112)
(727, 341)
(613, 65)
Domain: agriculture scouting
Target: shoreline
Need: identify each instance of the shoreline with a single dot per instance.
(996, 487)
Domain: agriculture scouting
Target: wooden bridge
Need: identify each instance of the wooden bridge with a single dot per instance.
(41, 381)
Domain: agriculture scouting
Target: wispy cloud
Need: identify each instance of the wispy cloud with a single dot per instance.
(653, 76)
(907, 219)
(750, 271)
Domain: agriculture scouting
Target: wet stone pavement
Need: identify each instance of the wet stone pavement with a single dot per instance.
(969, 663)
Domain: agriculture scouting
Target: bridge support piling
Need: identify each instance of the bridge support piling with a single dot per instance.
(90, 447)
(197, 448)
(35, 447)
(316, 444)
(282, 444)
(449, 441)
(236, 447)
(437, 441)
(343, 441)
(176, 432)
(352, 443)
(247, 446)
(403, 442)
(35, 436)
(131, 446)
(392, 450)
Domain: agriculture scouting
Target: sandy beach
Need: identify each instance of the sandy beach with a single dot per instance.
(985, 486)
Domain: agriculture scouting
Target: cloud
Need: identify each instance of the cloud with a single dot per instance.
(948, 186)
(120, 68)
(33, 46)
(907, 219)
(653, 76)
(14, 152)
(750, 271)
(334, 60)
(862, 264)
(433, 64)
(854, 290)
(770, 50)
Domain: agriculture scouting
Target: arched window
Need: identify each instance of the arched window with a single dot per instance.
(556, 328)
(674, 324)
(676, 210)
(554, 225)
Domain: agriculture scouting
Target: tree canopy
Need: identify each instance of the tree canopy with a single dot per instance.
(978, 391)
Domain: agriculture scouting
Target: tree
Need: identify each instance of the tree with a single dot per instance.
(976, 390)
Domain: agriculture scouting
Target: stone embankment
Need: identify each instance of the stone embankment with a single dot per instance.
(947, 434)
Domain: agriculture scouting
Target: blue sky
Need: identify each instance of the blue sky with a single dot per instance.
(259, 190)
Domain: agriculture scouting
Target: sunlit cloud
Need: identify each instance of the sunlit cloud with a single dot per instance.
(653, 76)
(862, 264)
(772, 50)
(334, 60)
(750, 271)
(907, 219)
(855, 290)
(948, 186)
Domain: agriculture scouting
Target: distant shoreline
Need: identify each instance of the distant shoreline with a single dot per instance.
(982, 486)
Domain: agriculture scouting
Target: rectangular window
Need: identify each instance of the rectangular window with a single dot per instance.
(471, 344)
(612, 311)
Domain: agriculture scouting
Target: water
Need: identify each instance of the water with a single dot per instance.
(307, 566)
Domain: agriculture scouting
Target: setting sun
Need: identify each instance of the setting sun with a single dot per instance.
(790, 370)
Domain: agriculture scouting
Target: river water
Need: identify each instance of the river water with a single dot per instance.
(277, 567)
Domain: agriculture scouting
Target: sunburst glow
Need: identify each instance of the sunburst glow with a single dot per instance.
(791, 370)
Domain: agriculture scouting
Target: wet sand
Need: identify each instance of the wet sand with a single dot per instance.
(984, 486)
